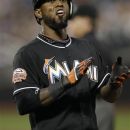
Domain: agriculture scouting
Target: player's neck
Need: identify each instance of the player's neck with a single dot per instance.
(53, 34)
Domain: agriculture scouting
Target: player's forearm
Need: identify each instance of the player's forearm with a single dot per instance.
(47, 97)
(29, 100)
(54, 91)
(109, 93)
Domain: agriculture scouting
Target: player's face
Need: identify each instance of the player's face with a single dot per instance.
(55, 13)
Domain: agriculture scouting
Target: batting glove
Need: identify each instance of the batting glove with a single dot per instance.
(80, 70)
(120, 73)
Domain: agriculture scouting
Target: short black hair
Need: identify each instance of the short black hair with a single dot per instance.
(37, 3)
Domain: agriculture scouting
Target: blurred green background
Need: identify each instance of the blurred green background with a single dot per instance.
(11, 120)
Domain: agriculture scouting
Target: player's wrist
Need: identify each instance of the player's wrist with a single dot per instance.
(66, 83)
(72, 77)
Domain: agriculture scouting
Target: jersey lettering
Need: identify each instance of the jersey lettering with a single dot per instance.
(56, 71)
(65, 65)
(92, 73)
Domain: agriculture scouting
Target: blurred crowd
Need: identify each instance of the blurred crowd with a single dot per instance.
(18, 26)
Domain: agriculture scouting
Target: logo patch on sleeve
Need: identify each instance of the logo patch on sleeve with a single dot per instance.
(19, 75)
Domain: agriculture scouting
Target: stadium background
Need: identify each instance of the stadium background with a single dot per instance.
(18, 26)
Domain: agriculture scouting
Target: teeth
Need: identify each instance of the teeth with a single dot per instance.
(60, 11)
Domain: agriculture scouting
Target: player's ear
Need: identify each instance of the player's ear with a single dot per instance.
(38, 13)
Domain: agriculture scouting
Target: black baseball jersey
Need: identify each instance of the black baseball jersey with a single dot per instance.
(45, 61)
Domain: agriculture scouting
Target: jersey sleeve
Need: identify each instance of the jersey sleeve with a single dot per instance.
(25, 75)
(26, 83)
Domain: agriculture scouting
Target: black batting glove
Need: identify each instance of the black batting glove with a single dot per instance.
(79, 71)
(120, 73)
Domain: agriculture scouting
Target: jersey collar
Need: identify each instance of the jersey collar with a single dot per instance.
(58, 44)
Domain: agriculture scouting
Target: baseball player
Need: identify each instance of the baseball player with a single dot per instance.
(56, 77)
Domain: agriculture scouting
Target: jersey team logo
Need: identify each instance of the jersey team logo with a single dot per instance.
(19, 75)
(46, 65)
(55, 70)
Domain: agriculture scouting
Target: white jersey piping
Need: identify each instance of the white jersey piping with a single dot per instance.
(21, 89)
(103, 79)
(55, 45)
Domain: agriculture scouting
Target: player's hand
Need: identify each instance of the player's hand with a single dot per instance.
(120, 73)
(80, 70)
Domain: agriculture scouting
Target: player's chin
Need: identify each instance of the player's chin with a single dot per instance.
(61, 25)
